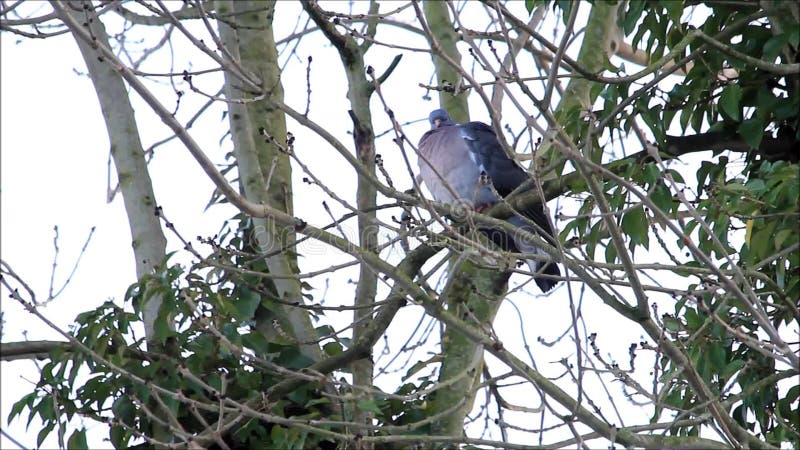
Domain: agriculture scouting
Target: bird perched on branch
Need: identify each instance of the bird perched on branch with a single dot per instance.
(465, 165)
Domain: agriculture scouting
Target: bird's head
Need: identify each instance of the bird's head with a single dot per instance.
(439, 118)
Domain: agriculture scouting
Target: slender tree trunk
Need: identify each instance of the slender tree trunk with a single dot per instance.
(359, 91)
(258, 131)
(364, 138)
(149, 243)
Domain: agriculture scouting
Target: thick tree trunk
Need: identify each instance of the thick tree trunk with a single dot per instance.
(442, 29)
(474, 294)
(475, 297)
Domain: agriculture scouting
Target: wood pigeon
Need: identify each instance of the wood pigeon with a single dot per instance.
(455, 162)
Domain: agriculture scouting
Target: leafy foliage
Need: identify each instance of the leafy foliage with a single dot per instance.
(744, 213)
(220, 357)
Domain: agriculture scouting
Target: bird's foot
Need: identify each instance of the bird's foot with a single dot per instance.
(481, 207)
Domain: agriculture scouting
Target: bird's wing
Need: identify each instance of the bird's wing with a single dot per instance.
(505, 173)
(449, 170)
(486, 149)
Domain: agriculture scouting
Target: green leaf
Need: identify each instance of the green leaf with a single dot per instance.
(761, 241)
(246, 304)
(717, 357)
(686, 114)
(782, 235)
(317, 401)
(19, 405)
(662, 198)
(674, 9)
(119, 436)
(611, 254)
(772, 47)
(651, 173)
(369, 406)
(45, 408)
(697, 117)
(529, 5)
(672, 324)
(566, 7)
(256, 342)
(325, 331)
(278, 435)
(793, 36)
(634, 224)
(729, 101)
(421, 365)
(693, 320)
(752, 131)
(732, 367)
(756, 185)
(293, 358)
(333, 348)
(44, 432)
(78, 440)
(124, 410)
(635, 8)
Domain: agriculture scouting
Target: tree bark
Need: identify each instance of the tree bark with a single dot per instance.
(599, 40)
(475, 295)
(149, 243)
(359, 92)
(258, 130)
(445, 35)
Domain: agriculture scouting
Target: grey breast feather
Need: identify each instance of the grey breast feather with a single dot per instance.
(449, 169)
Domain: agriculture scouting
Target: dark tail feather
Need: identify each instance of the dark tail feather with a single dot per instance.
(525, 246)
(516, 244)
(545, 284)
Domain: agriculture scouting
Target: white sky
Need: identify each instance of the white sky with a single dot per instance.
(54, 169)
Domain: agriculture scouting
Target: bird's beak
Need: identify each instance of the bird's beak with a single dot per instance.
(436, 123)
